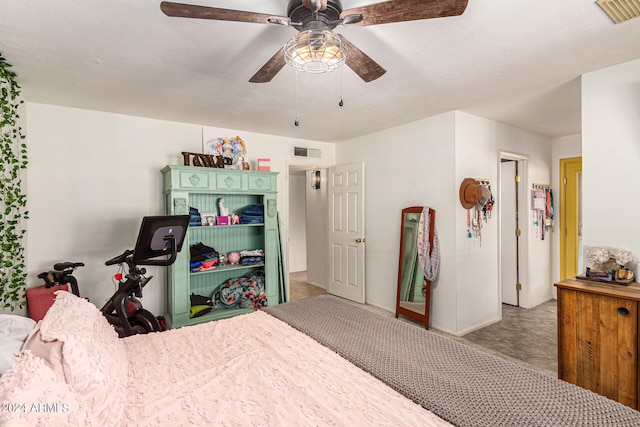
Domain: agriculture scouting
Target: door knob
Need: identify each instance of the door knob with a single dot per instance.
(360, 240)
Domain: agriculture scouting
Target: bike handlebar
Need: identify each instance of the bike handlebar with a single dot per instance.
(120, 258)
(163, 262)
(48, 278)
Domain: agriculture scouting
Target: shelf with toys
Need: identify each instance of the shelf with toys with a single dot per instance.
(233, 234)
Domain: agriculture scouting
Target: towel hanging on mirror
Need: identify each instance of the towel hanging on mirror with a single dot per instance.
(428, 262)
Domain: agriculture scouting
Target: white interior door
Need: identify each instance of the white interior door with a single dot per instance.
(346, 231)
(508, 241)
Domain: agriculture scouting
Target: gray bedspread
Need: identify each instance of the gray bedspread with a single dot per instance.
(461, 384)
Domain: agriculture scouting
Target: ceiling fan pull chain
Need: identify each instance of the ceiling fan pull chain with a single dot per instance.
(341, 103)
(297, 122)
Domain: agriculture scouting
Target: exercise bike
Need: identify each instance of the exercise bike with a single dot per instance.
(159, 241)
(123, 310)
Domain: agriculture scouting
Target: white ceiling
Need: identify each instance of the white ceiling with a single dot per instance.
(513, 61)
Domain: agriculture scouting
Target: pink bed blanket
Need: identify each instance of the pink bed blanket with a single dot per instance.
(250, 370)
(255, 370)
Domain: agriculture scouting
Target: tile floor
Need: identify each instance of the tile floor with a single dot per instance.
(527, 335)
(530, 335)
(300, 289)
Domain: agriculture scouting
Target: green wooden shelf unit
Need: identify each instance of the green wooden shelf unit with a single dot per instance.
(200, 188)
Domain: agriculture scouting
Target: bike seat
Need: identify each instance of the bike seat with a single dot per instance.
(61, 266)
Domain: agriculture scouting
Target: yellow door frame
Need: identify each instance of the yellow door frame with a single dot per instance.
(569, 205)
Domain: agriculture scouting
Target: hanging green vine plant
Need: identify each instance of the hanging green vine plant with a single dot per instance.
(13, 201)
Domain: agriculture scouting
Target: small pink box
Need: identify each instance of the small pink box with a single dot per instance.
(223, 220)
(264, 165)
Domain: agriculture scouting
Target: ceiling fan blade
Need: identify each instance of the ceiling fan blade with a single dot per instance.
(270, 69)
(361, 63)
(181, 10)
(407, 10)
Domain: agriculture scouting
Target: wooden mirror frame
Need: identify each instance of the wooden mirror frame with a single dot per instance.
(414, 315)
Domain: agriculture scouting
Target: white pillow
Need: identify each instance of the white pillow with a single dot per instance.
(32, 395)
(13, 331)
(14, 326)
(79, 344)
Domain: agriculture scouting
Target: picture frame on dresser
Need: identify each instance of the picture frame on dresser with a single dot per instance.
(208, 219)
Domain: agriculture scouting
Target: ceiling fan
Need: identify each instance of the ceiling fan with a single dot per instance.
(322, 16)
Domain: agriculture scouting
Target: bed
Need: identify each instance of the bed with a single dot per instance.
(320, 361)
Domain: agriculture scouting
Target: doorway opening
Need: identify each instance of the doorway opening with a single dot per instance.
(326, 218)
(510, 233)
(513, 241)
(306, 235)
(570, 217)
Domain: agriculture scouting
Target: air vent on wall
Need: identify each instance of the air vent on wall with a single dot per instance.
(620, 10)
(306, 152)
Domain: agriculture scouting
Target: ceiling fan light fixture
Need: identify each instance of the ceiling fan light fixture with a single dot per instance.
(315, 51)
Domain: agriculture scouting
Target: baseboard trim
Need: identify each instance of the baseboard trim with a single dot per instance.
(317, 285)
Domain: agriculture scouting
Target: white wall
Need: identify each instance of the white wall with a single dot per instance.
(423, 163)
(92, 176)
(479, 143)
(562, 148)
(410, 165)
(611, 157)
(297, 223)
(90, 210)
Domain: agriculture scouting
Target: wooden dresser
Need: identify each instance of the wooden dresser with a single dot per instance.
(598, 338)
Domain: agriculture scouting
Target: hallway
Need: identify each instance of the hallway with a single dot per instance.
(300, 289)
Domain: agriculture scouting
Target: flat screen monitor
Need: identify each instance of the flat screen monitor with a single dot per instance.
(154, 238)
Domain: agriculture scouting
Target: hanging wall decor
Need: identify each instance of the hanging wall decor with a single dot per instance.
(470, 193)
(484, 207)
(476, 197)
(226, 153)
(13, 200)
(543, 209)
(231, 149)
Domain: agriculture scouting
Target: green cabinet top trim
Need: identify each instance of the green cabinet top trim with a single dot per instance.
(201, 179)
